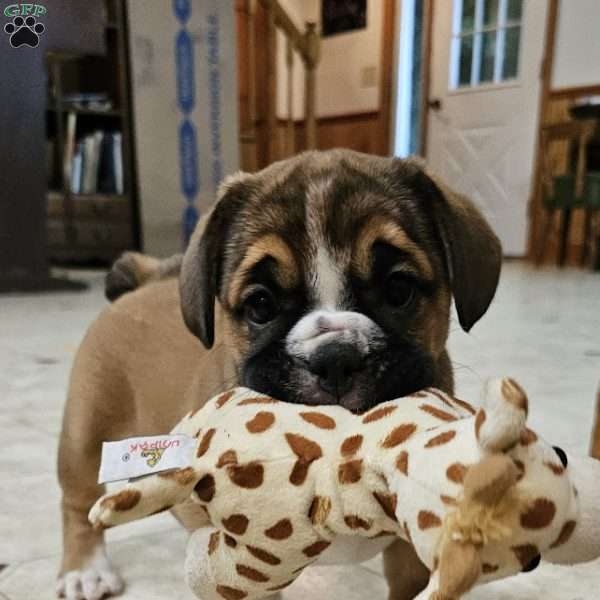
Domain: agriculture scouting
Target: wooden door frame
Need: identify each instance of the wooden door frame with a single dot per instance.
(426, 45)
(390, 64)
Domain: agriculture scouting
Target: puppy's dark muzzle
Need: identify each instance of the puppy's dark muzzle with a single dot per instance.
(335, 366)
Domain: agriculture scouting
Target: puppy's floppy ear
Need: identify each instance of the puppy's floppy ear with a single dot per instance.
(201, 271)
(472, 250)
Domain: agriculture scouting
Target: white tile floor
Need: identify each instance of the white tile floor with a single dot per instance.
(543, 329)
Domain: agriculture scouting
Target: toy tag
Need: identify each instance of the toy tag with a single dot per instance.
(134, 457)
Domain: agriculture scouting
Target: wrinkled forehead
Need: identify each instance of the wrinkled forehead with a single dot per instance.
(316, 226)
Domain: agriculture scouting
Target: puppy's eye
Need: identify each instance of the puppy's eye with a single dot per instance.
(260, 307)
(399, 290)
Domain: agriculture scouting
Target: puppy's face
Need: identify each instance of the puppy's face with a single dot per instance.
(334, 275)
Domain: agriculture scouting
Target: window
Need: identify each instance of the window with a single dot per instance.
(485, 42)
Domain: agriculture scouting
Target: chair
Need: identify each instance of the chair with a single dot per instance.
(577, 188)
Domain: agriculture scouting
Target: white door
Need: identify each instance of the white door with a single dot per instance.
(484, 94)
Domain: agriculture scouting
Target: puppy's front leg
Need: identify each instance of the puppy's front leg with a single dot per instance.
(406, 575)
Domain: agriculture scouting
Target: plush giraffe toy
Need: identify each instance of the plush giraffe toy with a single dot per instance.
(477, 493)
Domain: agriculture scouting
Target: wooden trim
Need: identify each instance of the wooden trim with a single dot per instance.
(535, 200)
(426, 45)
(574, 92)
(387, 74)
(345, 118)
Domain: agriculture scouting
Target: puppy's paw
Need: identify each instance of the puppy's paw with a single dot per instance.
(95, 580)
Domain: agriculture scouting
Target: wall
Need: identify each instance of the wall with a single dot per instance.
(349, 73)
(577, 54)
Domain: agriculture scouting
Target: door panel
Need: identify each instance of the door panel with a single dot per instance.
(482, 138)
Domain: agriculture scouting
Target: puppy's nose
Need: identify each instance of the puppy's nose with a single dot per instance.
(335, 365)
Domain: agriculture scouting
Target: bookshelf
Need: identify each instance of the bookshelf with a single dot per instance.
(92, 200)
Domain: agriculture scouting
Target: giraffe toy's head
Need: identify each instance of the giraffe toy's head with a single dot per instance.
(478, 494)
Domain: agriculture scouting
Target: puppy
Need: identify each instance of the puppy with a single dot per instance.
(323, 279)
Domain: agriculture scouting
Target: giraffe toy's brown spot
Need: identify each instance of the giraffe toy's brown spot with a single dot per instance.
(441, 439)
(318, 420)
(122, 501)
(479, 421)
(448, 500)
(402, 462)
(528, 437)
(258, 400)
(355, 522)
(351, 445)
(426, 520)
(263, 555)
(230, 593)
(223, 398)
(398, 435)
(556, 469)
(448, 400)
(261, 422)
(468, 407)
(487, 568)
(251, 574)
(379, 413)
(456, 472)
(205, 488)
(436, 412)
(205, 443)
(565, 534)
(229, 457)
(236, 524)
(180, 476)
(539, 515)
(281, 530)
(388, 503)
(525, 554)
(316, 548)
(350, 471)
(230, 541)
(307, 452)
(213, 541)
(249, 476)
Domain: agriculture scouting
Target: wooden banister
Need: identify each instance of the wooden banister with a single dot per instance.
(306, 45)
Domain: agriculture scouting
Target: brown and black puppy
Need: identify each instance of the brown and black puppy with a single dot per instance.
(326, 278)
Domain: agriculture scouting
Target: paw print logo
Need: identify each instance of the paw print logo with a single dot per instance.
(24, 32)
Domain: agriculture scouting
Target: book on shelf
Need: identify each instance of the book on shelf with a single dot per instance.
(69, 145)
(95, 164)
(118, 162)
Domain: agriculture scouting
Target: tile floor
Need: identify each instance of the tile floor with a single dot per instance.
(543, 329)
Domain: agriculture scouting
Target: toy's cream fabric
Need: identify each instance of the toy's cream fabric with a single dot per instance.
(476, 493)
